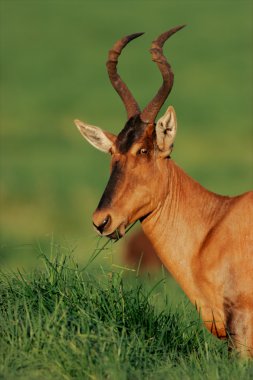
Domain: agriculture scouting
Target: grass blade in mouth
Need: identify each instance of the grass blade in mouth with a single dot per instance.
(97, 252)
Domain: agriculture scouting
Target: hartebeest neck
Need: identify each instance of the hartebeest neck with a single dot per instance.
(180, 224)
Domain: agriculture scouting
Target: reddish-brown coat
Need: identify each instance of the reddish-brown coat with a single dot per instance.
(205, 240)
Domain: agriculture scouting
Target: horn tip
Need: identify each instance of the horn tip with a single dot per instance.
(134, 35)
(176, 28)
(181, 26)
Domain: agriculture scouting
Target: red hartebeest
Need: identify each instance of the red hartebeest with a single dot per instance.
(204, 239)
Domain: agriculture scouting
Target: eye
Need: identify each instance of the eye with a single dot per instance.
(142, 151)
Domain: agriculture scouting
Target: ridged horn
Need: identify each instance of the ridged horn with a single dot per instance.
(150, 112)
(130, 103)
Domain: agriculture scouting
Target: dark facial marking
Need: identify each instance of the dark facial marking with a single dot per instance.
(115, 177)
(132, 131)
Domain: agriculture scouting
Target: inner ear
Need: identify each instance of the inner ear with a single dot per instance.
(98, 138)
(166, 129)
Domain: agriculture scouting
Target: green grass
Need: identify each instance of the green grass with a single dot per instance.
(62, 322)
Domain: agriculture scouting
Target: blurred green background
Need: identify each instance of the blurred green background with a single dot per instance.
(53, 57)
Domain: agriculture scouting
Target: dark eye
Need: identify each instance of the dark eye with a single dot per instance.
(143, 151)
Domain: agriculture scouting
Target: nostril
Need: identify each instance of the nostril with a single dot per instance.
(101, 227)
(105, 221)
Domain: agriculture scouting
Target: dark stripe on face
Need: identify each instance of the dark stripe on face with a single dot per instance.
(110, 189)
(131, 133)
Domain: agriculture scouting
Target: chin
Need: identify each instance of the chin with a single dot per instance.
(114, 236)
(118, 233)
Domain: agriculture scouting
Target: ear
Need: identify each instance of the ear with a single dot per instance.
(96, 137)
(166, 129)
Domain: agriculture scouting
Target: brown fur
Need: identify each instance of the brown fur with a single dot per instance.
(204, 239)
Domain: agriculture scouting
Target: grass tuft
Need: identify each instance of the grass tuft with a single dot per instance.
(61, 322)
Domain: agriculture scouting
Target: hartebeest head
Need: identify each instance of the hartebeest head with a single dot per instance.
(140, 151)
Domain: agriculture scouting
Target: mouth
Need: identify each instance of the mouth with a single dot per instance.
(118, 233)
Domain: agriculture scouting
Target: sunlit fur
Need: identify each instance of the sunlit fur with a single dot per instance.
(205, 240)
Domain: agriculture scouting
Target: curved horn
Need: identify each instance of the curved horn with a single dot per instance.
(150, 112)
(130, 103)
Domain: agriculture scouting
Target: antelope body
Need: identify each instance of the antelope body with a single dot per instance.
(205, 240)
